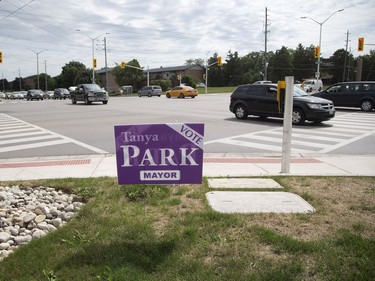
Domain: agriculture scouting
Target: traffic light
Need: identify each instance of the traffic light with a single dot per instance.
(280, 94)
(122, 65)
(1, 57)
(361, 43)
(317, 52)
(94, 63)
(219, 61)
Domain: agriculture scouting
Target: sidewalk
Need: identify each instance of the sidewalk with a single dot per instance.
(215, 165)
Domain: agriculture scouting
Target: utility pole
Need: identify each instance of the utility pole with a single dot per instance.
(45, 75)
(2, 78)
(346, 55)
(348, 77)
(37, 63)
(265, 45)
(106, 67)
(19, 75)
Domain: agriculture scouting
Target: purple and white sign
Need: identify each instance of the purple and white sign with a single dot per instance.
(159, 153)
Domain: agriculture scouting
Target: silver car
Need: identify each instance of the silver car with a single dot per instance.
(150, 91)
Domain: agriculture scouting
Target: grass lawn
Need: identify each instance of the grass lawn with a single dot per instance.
(214, 90)
(170, 233)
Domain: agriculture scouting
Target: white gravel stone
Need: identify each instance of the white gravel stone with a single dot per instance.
(4, 237)
(4, 246)
(30, 213)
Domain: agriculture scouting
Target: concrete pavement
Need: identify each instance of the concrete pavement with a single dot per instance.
(234, 172)
(215, 165)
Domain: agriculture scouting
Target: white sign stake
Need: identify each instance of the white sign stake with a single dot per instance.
(287, 124)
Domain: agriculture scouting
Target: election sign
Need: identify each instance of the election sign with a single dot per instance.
(169, 153)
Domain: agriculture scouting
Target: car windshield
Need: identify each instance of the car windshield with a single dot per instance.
(92, 87)
(298, 92)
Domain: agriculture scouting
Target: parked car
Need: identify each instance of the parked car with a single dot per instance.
(182, 91)
(150, 91)
(48, 95)
(2, 95)
(262, 82)
(261, 100)
(89, 93)
(16, 96)
(312, 85)
(61, 93)
(34, 95)
(201, 85)
(351, 94)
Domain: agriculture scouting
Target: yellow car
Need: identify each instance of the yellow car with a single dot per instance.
(182, 91)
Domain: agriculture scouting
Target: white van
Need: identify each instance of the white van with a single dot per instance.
(312, 85)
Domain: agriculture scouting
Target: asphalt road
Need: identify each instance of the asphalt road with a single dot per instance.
(56, 127)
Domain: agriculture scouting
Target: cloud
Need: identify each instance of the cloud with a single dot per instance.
(167, 33)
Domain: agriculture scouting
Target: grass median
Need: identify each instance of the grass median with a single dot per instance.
(170, 233)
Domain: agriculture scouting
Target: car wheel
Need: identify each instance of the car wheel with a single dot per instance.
(159, 96)
(74, 100)
(139, 95)
(192, 97)
(181, 96)
(105, 102)
(168, 95)
(149, 95)
(87, 102)
(298, 118)
(240, 112)
(367, 105)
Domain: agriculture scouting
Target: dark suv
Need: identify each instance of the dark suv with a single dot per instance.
(89, 93)
(61, 93)
(34, 95)
(351, 94)
(261, 100)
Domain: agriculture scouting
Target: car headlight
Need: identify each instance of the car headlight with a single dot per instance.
(315, 105)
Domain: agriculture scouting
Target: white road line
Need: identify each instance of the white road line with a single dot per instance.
(307, 136)
(27, 139)
(23, 135)
(279, 141)
(33, 145)
(343, 131)
(6, 133)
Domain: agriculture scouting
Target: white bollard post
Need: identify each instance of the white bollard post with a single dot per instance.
(287, 124)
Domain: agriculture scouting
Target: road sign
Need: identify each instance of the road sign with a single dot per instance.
(169, 153)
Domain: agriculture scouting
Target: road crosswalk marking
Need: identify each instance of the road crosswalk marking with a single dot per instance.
(342, 131)
(16, 134)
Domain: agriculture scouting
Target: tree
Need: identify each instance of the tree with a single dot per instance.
(72, 74)
(129, 75)
(253, 67)
(303, 62)
(281, 65)
(368, 67)
(42, 82)
(195, 62)
(214, 72)
(337, 69)
(233, 69)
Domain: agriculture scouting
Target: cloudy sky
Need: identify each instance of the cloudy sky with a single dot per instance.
(169, 32)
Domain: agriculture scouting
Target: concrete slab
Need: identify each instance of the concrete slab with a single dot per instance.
(243, 183)
(257, 202)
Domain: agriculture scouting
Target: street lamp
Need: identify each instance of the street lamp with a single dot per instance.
(93, 57)
(37, 63)
(317, 75)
